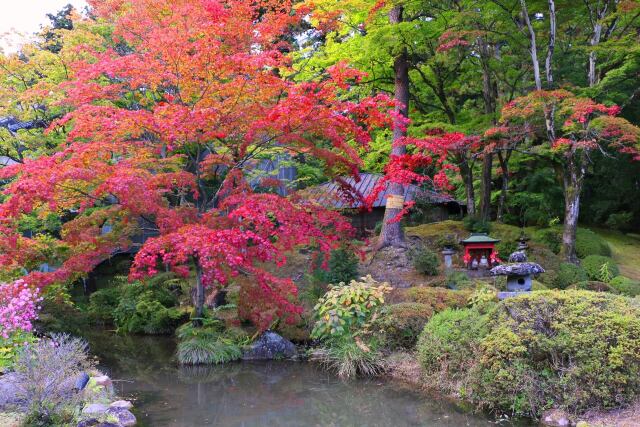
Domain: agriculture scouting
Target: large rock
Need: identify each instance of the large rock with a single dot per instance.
(270, 346)
(555, 418)
(124, 416)
(9, 391)
(95, 409)
(124, 404)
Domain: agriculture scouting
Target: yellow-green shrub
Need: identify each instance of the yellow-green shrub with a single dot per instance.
(575, 350)
(401, 324)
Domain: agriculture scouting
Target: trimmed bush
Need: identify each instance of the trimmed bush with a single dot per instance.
(625, 286)
(593, 286)
(569, 274)
(476, 225)
(341, 267)
(589, 243)
(550, 237)
(594, 266)
(573, 350)
(401, 324)
(425, 261)
(438, 298)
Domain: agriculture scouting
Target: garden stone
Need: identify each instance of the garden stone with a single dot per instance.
(108, 424)
(9, 390)
(124, 416)
(95, 409)
(90, 422)
(124, 404)
(555, 418)
(270, 346)
(103, 380)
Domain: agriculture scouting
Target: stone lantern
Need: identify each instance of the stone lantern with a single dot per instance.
(448, 254)
(519, 274)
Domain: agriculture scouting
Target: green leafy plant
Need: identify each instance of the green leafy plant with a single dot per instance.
(400, 324)
(349, 358)
(342, 267)
(589, 243)
(620, 220)
(425, 261)
(476, 225)
(573, 350)
(600, 268)
(625, 286)
(209, 343)
(569, 274)
(348, 308)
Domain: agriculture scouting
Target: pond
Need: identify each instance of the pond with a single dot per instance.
(278, 393)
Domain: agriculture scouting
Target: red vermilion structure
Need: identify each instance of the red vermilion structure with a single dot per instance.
(478, 245)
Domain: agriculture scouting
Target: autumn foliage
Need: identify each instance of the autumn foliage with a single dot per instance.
(166, 116)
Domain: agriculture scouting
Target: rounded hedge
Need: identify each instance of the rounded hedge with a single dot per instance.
(589, 243)
(569, 274)
(573, 350)
(401, 324)
(426, 261)
(625, 286)
(593, 265)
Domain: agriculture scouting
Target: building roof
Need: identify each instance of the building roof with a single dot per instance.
(480, 238)
(349, 193)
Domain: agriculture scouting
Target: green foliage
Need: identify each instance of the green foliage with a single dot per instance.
(589, 243)
(448, 240)
(438, 298)
(400, 324)
(447, 346)
(482, 296)
(476, 225)
(594, 286)
(348, 309)
(600, 268)
(573, 350)
(625, 286)
(425, 261)
(342, 267)
(10, 348)
(458, 280)
(209, 343)
(620, 221)
(506, 248)
(550, 237)
(138, 308)
(569, 274)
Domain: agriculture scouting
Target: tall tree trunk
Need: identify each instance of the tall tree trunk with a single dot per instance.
(485, 202)
(391, 233)
(199, 299)
(596, 19)
(467, 176)
(504, 187)
(573, 178)
(533, 49)
(552, 44)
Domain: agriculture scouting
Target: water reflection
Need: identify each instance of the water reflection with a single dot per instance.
(258, 394)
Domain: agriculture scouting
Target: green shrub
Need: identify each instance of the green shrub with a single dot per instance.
(569, 274)
(146, 309)
(102, 304)
(401, 324)
(625, 286)
(550, 237)
(447, 346)
(619, 221)
(347, 309)
(448, 240)
(600, 268)
(438, 298)
(506, 248)
(476, 225)
(341, 267)
(589, 243)
(458, 280)
(573, 350)
(425, 261)
(594, 286)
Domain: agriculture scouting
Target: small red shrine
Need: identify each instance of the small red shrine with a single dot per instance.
(478, 249)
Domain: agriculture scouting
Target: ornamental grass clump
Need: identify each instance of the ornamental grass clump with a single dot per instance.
(574, 350)
(209, 343)
(344, 317)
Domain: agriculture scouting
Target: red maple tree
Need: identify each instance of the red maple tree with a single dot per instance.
(182, 99)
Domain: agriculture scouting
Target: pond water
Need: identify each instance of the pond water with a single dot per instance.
(277, 393)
